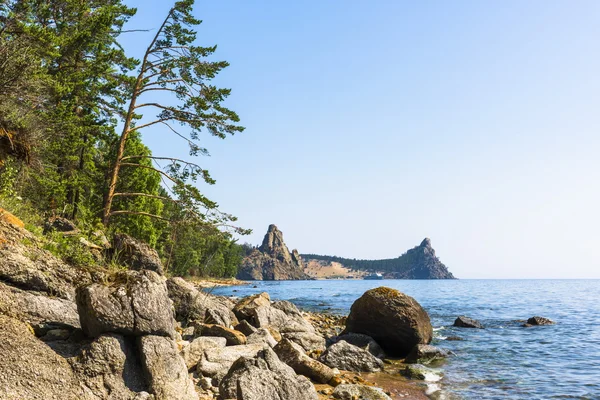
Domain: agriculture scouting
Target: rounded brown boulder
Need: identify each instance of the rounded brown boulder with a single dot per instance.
(396, 321)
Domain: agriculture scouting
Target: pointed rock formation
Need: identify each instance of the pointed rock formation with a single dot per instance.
(423, 264)
(272, 261)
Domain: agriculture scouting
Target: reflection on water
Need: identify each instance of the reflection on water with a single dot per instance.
(503, 361)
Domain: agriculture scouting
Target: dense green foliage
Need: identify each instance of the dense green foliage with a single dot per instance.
(66, 85)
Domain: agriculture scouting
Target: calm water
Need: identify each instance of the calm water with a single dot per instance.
(504, 361)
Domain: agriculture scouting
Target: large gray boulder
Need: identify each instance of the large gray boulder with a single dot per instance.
(397, 322)
(165, 369)
(264, 377)
(36, 308)
(363, 341)
(136, 254)
(351, 392)
(309, 341)
(215, 362)
(29, 369)
(262, 335)
(193, 305)
(243, 308)
(294, 356)
(343, 355)
(109, 368)
(138, 306)
(192, 352)
(265, 316)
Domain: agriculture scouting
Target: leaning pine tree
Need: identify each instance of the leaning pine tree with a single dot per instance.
(178, 71)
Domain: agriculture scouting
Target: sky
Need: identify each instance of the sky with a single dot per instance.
(371, 125)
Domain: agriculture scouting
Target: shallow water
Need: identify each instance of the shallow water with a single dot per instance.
(503, 361)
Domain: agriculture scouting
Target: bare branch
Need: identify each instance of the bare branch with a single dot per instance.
(138, 213)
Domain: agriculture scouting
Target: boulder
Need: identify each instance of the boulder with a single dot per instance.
(466, 322)
(425, 354)
(215, 362)
(138, 306)
(539, 321)
(36, 308)
(294, 356)
(243, 308)
(265, 316)
(193, 305)
(60, 224)
(262, 335)
(397, 322)
(109, 368)
(309, 341)
(165, 369)
(136, 254)
(352, 392)
(264, 377)
(363, 341)
(29, 369)
(343, 355)
(193, 351)
(232, 336)
(245, 327)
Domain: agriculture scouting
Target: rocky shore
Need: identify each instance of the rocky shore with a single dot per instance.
(72, 333)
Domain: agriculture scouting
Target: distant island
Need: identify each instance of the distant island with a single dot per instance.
(273, 261)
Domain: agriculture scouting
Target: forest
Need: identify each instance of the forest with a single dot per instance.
(73, 109)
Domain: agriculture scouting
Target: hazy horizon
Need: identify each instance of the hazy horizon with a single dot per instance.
(372, 125)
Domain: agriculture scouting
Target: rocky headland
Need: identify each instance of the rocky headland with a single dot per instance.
(272, 260)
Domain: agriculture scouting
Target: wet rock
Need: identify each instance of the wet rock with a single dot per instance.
(215, 362)
(539, 321)
(454, 338)
(109, 368)
(397, 322)
(29, 369)
(262, 335)
(363, 341)
(425, 354)
(136, 254)
(139, 306)
(264, 377)
(193, 305)
(421, 373)
(232, 336)
(245, 327)
(309, 341)
(294, 356)
(345, 356)
(36, 308)
(466, 322)
(243, 308)
(165, 369)
(193, 351)
(352, 392)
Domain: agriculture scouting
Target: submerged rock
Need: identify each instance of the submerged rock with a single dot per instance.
(397, 322)
(343, 355)
(420, 372)
(352, 392)
(294, 356)
(539, 321)
(264, 377)
(466, 322)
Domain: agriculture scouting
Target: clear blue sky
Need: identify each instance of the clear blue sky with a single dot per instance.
(374, 124)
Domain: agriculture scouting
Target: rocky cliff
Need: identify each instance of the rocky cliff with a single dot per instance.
(420, 262)
(272, 260)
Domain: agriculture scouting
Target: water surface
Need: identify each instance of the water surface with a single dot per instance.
(503, 361)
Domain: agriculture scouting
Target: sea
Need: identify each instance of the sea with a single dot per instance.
(502, 361)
